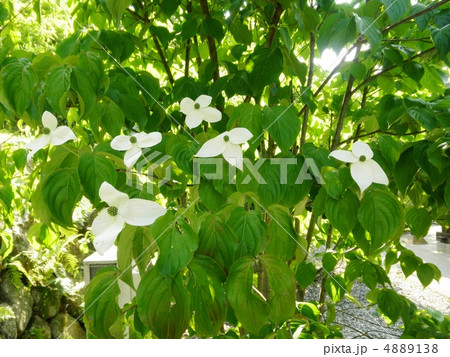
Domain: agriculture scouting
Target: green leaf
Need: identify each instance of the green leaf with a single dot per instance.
(343, 32)
(310, 18)
(390, 149)
(342, 213)
(6, 196)
(19, 80)
(396, 8)
(405, 169)
(333, 184)
(20, 158)
(61, 191)
(282, 236)
(390, 303)
(425, 273)
(250, 309)
(319, 155)
(112, 117)
(336, 287)
(329, 262)
(134, 109)
(81, 84)
(250, 231)
(177, 243)
(270, 191)
(447, 193)
(117, 8)
(358, 70)
(305, 274)
(382, 216)
(121, 44)
(240, 32)
(247, 115)
(441, 38)
(370, 275)
(299, 183)
(209, 302)
(369, 27)
(163, 304)
(94, 169)
(414, 70)
(57, 84)
(209, 196)
(3, 12)
(419, 221)
(283, 125)
(264, 66)
(421, 20)
(425, 117)
(217, 240)
(189, 28)
(101, 297)
(151, 86)
(282, 289)
(169, 6)
(125, 254)
(409, 262)
(213, 28)
(297, 68)
(144, 247)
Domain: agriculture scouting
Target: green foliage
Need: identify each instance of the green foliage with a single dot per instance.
(231, 251)
(101, 300)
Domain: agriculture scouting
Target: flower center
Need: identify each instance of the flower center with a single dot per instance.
(226, 138)
(112, 211)
(133, 140)
(46, 131)
(197, 106)
(362, 158)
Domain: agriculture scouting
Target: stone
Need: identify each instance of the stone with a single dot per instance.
(47, 301)
(8, 325)
(38, 328)
(65, 326)
(19, 299)
(73, 305)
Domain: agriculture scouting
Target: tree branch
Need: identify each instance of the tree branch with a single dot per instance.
(344, 108)
(211, 44)
(371, 78)
(325, 274)
(163, 58)
(363, 104)
(312, 44)
(272, 30)
(188, 45)
(326, 80)
(413, 16)
(379, 131)
(273, 24)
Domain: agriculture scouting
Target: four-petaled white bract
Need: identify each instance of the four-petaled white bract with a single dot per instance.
(199, 110)
(111, 220)
(53, 134)
(133, 145)
(227, 144)
(363, 169)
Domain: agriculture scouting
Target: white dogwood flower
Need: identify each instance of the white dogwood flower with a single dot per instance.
(52, 134)
(363, 169)
(111, 220)
(133, 145)
(199, 110)
(228, 144)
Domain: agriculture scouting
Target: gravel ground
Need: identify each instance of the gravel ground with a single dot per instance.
(366, 322)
